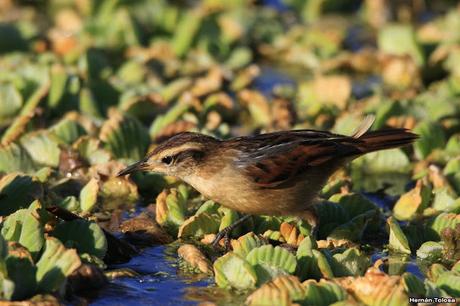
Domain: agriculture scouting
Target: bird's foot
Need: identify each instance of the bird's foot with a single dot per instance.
(225, 233)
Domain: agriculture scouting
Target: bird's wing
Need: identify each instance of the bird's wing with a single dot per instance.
(273, 159)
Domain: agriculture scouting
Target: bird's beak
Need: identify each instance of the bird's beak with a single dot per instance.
(140, 165)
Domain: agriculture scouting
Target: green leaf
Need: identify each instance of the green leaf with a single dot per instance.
(353, 230)
(400, 39)
(209, 207)
(444, 200)
(412, 202)
(283, 290)
(440, 222)
(10, 101)
(230, 217)
(452, 172)
(185, 32)
(15, 158)
(55, 264)
(244, 244)
(323, 293)
(307, 266)
(42, 148)
(330, 216)
(354, 203)
(43, 174)
(21, 270)
(352, 262)
(232, 271)
(17, 191)
(450, 282)
(58, 84)
(88, 104)
(398, 241)
(198, 226)
(171, 209)
(323, 264)
(381, 169)
(269, 262)
(90, 149)
(7, 286)
(124, 136)
(413, 285)
(431, 251)
(67, 130)
(85, 236)
(118, 192)
(24, 226)
(431, 137)
(88, 195)
(161, 121)
(70, 203)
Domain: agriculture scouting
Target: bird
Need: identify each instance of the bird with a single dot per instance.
(277, 173)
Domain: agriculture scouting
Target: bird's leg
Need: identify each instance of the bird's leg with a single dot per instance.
(226, 232)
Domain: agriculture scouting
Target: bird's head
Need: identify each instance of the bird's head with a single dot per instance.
(178, 156)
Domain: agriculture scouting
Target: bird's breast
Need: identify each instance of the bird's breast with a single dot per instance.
(234, 190)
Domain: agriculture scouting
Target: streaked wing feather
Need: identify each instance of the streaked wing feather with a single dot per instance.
(275, 160)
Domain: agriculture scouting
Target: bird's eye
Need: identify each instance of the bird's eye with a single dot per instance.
(167, 160)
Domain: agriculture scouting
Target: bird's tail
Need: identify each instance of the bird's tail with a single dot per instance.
(382, 139)
(386, 139)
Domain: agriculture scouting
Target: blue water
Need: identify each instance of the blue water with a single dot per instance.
(159, 283)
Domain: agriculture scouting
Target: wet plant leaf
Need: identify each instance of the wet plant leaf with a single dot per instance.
(88, 195)
(171, 209)
(10, 101)
(21, 270)
(233, 271)
(269, 262)
(244, 244)
(124, 136)
(91, 150)
(18, 191)
(230, 216)
(398, 241)
(381, 169)
(83, 235)
(413, 202)
(376, 288)
(15, 158)
(55, 264)
(24, 226)
(185, 32)
(118, 192)
(442, 221)
(194, 257)
(413, 285)
(67, 130)
(280, 291)
(198, 226)
(42, 148)
(431, 137)
(451, 171)
(323, 293)
(400, 39)
(449, 282)
(352, 262)
(431, 251)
